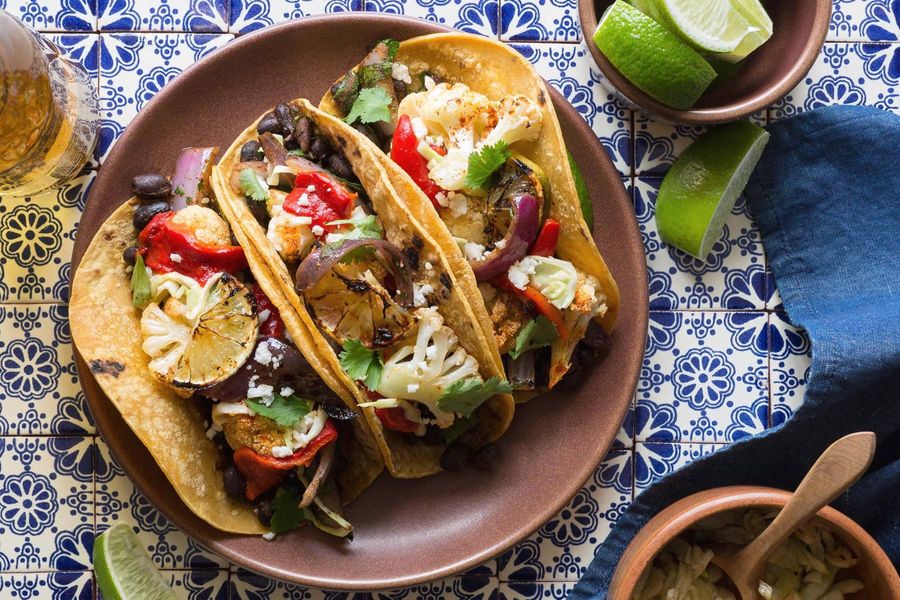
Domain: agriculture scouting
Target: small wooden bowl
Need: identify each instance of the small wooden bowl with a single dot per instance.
(874, 568)
(774, 69)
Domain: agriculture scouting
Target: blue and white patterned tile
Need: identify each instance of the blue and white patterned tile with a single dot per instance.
(704, 376)
(118, 500)
(39, 391)
(199, 584)
(536, 590)
(481, 17)
(46, 488)
(249, 15)
(54, 15)
(656, 460)
(788, 367)
(848, 74)
(36, 238)
(567, 67)
(250, 586)
(207, 16)
(732, 277)
(563, 547)
(539, 21)
(865, 20)
(47, 586)
(133, 68)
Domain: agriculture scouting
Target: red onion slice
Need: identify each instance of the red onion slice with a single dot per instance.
(522, 231)
(321, 260)
(191, 172)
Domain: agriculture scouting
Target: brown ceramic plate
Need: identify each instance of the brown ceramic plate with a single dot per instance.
(798, 32)
(406, 531)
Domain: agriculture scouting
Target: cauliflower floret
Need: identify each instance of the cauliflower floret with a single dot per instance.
(468, 121)
(291, 235)
(165, 338)
(205, 225)
(429, 367)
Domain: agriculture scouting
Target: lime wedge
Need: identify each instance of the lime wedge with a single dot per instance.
(652, 57)
(700, 189)
(124, 569)
(761, 28)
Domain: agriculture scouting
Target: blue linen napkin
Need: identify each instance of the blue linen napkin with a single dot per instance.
(826, 196)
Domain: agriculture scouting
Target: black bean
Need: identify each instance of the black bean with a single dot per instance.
(258, 209)
(455, 457)
(145, 212)
(595, 337)
(251, 151)
(338, 165)
(581, 360)
(290, 144)
(151, 186)
(130, 255)
(264, 511)
(303, 133)
(285, 117)
(338, 412)
(399, 89)
(369, 133)
(485, 457)
(268, 123)
(234, 482)
(319, 148)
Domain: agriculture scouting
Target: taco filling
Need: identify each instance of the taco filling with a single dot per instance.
(211, 333)
(466, 152)
(371, 287)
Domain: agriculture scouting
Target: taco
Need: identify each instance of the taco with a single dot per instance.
(473, 147)
(369, 283)
(193, 341)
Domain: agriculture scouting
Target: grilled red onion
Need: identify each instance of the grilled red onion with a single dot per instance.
(191, 174)
(522, 231)
(321, 260)
(323, 469)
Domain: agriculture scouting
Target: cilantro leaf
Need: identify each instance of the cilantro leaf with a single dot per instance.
(483, 163)
(251, 186)
(298, 152)
(584, 197)
(361, 364)
(363, 228)
(287, 514)
(457, 429)
(140, 283)
(465, 396)
(537, 333)
(372, 105)
(393, 48)
(284, 410)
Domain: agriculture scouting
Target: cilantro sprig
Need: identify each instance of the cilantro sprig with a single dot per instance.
(371, 106)
(537, 333)
(465, 396)
(251, 185)
(287, 514)
(140, 283)
(361, 364)
(287, 411)
(483, 163)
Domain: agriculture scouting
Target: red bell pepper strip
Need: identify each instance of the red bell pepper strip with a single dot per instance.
(273, 326)
(265, 472)
(404, 152)
(534, 295)
(395, 420)
(161, 240)
(545, 243)
(317, 196)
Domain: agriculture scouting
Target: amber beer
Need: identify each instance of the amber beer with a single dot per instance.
(48, 112)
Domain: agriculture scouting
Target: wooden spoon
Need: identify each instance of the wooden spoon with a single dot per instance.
(842, 463)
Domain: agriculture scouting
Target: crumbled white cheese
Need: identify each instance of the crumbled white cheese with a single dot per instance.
(459, 204)
(419, 128)
(318, 230)
(429, 83)
(500, 244)
(303, 200)
(519, 272)
(412, 388)
(213, 430)
(441, 198)
(400, 72)
(420, 294)
(175, 258)
(269, 536)
(261, 390)
(264, 315)
(281, 451)
(310, 188)
(286, 391)
(428, 266)
(263, 354)
(474, 251)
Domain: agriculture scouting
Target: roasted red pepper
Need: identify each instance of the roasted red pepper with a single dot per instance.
(534, 295)
(545, 243)
(395, 420)
(262, 473)
(404, 152)
(272, 326)
(317, 196)
(166, 248)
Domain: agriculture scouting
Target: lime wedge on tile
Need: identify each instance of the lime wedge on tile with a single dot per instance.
(652, 57)
(700, 189)
(124, 569)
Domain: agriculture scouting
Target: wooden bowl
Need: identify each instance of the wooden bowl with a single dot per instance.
(799, 28)
(874, 568)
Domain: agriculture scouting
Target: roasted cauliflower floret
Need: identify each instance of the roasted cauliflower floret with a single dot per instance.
(204, 224)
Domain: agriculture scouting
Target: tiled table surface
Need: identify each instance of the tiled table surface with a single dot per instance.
(722, 361)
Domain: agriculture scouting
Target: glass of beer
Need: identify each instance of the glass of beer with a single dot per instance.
(48, 112)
